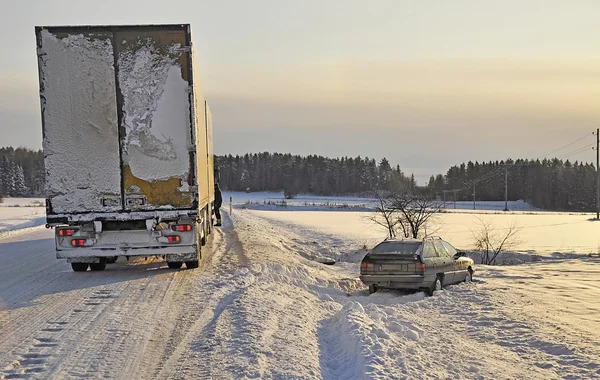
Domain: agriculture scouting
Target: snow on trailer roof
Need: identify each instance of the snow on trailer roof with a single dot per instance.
(162, 26)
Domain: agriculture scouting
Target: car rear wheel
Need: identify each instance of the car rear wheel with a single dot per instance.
(437, 285)
(469, 277)
(372, 289)
(174, 265)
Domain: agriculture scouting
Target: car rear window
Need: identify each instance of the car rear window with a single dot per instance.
(397, 247)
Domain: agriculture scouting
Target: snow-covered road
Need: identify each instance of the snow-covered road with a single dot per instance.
(130, 321)
(263, 306)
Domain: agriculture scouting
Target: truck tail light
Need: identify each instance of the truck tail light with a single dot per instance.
(66, 232)
(181, 227)
(173, 239)
(78, 242)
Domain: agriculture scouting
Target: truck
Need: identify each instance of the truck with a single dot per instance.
(127, 142)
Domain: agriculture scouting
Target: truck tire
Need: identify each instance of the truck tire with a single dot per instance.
(174, 264)
(79, 267)
(111, 260)
(98, 266)
(192, 264)
(202, 232)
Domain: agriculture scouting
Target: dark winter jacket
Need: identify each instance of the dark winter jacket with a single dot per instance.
(218, 197)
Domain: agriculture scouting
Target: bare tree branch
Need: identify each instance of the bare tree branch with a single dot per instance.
(384, 214)
(405, 210)
(491, 242)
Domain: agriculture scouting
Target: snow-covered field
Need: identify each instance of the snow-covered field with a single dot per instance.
(19, 213)
(309, 200)
(544, 234)
(263, 306)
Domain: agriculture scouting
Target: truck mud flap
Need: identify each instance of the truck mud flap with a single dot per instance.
(182, 257)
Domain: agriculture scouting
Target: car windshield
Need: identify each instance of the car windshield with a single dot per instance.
(397, 247)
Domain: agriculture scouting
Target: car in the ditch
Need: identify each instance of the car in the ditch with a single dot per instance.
(413, 264)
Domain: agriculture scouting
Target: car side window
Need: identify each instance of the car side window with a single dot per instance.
(441, 250)
(450, 248)
(428, 250)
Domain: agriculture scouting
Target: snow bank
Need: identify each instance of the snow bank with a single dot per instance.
(20, 213)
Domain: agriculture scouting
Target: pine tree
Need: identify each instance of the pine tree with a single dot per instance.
(20, 188)
(4, 175)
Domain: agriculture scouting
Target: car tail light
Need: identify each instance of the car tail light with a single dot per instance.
(66, 232)
(182, 227)
(421, 267)
(78, 242)
(366, 266)
(173, 239)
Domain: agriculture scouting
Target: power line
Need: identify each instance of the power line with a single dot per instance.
(580, 150)
(563, 147)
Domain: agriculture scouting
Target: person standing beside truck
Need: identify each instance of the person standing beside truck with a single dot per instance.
(218, 203)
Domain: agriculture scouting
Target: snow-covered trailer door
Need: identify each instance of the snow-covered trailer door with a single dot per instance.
(79, 120)
(154, 79)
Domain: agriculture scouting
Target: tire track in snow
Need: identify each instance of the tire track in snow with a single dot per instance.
(207, 301)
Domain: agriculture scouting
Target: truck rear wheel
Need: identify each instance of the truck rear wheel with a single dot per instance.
(174, 264)
(79, 267)
(98, 266)
(202, 233)
(192, 264)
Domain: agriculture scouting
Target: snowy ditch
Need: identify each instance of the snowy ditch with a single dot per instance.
(394, 335)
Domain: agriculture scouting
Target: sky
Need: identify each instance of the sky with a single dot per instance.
(426, 84)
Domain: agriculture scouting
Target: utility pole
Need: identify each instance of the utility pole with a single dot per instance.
(444, 191)
(506, 187)
(597, 133)
(474, 195)
(455, 198)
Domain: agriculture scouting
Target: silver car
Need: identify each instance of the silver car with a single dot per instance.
(427, 265)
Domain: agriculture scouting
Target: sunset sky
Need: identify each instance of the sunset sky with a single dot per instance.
(426, 84)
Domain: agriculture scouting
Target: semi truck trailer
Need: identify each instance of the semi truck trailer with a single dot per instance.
(127, 141)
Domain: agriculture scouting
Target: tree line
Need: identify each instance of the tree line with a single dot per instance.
(312, 174)
(549, 183)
